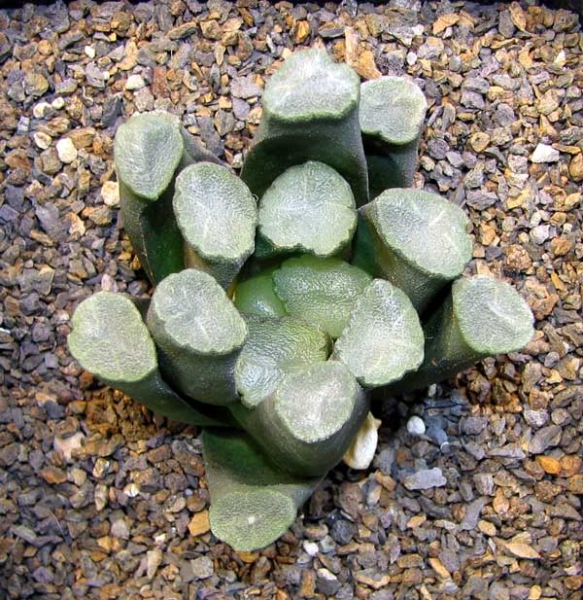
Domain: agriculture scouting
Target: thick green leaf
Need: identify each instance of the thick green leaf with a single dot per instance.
(392, 111)
(147, 150)
(320, 290)
(309, 208)
(307, 424)
(308, 87)
(256, 296)
(110, 340)
(492, 317)
(310, 112)
(253, 501)
(199, 333)
(416, 240)
(481, 317)
(217, 216)
(273, 347)
(153, 232)
(383, 339)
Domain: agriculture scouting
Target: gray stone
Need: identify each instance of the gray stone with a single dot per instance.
(135, 82)
(450, 560)
(120, 529)
(474, 425)
(112, 108)
(505, 25)
(202, 567)
(25, 533)
(66, 87)
(437, 148)
(343, 531)
(476, 84)
(540, 234)
(480, 200)
(472, 99)
(504, 116)
(544, 438)
(326, 582)
(153, 560)
(484, 483)
(498, 592)
(385, 460)
(432, 49)
(245, 87)
(48, 216)
(144, 99)
(7, 214)
(240, 108)
(508, 451)
(425, 479)
(474, 449)
(536, 418)
(473, 511)
(95, 76)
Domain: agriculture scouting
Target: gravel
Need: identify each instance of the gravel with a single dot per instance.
(100, 499)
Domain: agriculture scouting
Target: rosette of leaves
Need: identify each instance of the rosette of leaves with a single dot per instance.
(284, 298)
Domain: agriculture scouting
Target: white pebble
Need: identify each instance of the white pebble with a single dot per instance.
(135, 82)
(90, 51)
(311, 548)
(66, 150)
(42, 140)
(362, 449)
(39, 109)
(416, 426)
(540, 234)
(544, 153)
(110, 193)
(561, 59)
(58, 103)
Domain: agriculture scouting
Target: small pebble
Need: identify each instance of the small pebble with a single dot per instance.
(202, 567)
(42, 140)
(66, 150)
(311, 548)
(135, 82)
(540, 234)
(416, 426)
(425, 479)
(545, 154)
(39, 109)
(110, 193)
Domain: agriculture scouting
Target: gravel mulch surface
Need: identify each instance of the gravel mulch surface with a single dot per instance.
(478, 496)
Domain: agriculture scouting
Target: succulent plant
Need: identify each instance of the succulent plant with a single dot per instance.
(284, 298)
